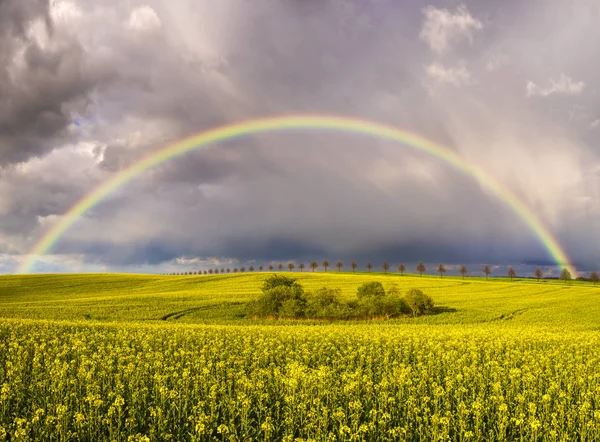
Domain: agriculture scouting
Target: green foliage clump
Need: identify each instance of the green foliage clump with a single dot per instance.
(284, 297)
(418, 302)
(370, 289)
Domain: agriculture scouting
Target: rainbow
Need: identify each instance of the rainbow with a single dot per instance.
(287, 123)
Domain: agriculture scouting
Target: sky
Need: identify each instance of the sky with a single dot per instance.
(87, 88)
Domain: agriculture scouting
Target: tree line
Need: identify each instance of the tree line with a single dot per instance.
(565, 274)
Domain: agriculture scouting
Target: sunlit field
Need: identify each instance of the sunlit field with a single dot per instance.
(145, 357)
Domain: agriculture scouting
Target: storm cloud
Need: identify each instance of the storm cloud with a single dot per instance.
(88, 88)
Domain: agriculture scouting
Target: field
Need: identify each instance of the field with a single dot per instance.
(145, 357)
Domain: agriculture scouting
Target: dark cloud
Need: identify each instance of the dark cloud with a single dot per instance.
(45, 78)
(140, 77)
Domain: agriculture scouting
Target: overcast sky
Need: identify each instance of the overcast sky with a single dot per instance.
(88, 87)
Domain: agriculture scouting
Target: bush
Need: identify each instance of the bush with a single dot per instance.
(279, 281)
(284, 297)
(325, 303)
(371, 289)
(418, 302)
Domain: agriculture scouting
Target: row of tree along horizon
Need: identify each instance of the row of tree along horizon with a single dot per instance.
(565, 274)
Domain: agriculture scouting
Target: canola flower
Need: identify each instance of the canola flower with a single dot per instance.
(347, 382)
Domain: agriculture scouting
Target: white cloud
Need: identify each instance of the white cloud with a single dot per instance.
(442, 28)
(144, 18)
(64, 11)
(438, 75)
(565, 85)
(496, 61)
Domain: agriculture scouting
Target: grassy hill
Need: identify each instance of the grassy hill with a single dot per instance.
(131, 298)
(156, 358)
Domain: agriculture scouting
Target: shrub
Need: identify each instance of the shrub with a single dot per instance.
(418, 302)
(325, 303)
(370, 289)
(282, 296)
(276, 280)
(292, 308)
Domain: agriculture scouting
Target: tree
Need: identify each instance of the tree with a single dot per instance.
(205, 272)
(222, 270)
(538, 274)
(511, 273)
(418, 302)
(369, 266)
(290, 266)
(565, 274)
(325, 264)
(228, 270)
(339, 265)
(280, 266)
(301, 266)
(421, 268)
(463, 271)
(486, 271)
(354, 266)
(314, 265)
(385, 266)
(251, 268)
(235, 270)
(441, 270)
(210, 271)
(401, 268)
(271, 267)
(368, 289)
(260, 268)
(594, 277)
(242, 269)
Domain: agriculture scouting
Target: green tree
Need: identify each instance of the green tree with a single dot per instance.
(242, 269)
(282, 297)
(487, 271)
(539, 274)
(369, 266)
(260, 268)
(325, 264)
(368, 289)
(290, 266)
(418, 302)
(441, 270)
(463, 271)
(271, 267)
(314, 265)
(280, 266)
(385, 266)
(251, 268)
(421, 268)
(565, 274)
(401, 268)
(594, 277)
(511, 273)
(339, 265)
(301, 266)
(354, 266)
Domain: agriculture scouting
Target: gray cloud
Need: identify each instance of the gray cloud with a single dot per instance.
(45, 78)
(134, 78)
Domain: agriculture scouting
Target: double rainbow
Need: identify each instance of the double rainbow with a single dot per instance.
(290, 123)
